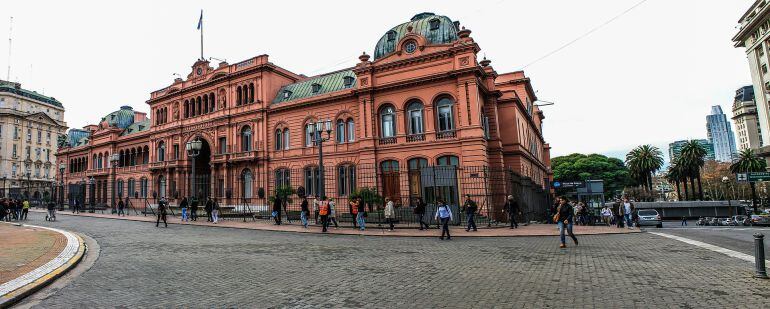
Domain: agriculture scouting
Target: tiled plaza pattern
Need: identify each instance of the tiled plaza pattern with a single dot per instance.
(24, 249)
(193, 266)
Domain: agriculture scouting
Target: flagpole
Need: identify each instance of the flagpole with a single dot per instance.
(201, 35)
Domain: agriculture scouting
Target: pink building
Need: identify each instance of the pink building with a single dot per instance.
(422, 117)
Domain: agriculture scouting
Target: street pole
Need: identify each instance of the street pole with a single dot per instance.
(193, 148)
(318, 128)
(114, 160)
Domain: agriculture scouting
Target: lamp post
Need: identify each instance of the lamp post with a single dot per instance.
(62, 166)
(91, 192)
(114, 158)
(726, 180)
(4, 190)
(316, 130)
(29, 182)
(193, 148)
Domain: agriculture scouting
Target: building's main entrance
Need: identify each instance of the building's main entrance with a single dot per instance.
(201, 185)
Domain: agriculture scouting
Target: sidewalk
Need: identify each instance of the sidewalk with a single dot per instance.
(33, 256)
(371, 229)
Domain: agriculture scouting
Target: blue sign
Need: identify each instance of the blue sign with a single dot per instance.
(556, 184)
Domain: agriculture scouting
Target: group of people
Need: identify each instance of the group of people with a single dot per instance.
(621, 213)
(13, 209)
(190, 209)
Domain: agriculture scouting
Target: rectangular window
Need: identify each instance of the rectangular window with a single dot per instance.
(176, 151)
(14, 151)
(308, 136)
(764, 68)
(15, 132)
(39, 136)
(222, 145)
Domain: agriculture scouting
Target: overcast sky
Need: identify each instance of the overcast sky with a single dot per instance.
(648, 77)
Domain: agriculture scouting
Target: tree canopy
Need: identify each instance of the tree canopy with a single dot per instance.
(581, 167)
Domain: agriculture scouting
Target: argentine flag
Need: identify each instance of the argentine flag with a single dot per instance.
(200, 21)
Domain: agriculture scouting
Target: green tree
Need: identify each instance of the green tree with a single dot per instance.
(642, 162)
(674, 176)
(692, 158)
(749, 162)
(581, 167)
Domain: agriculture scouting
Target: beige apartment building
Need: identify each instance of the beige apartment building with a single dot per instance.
(30, 124)
(747, 131)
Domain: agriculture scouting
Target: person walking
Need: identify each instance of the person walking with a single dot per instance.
(353, 205)
(471, 208)
(183, 204)
(3, 203)
(214, 210)
(565, 218)
(419, 210)
(51, 209)
(361, 215)
(333, 213)
(390, 213)
(121, 206)
(511, 207)
(162, 209)
(444, 215)
(620, 215)
(607, 215)
(684, 221)
(25, 209)
(277, 210)
(316, 211)
(628, 213)
(76, 207)
(323, 212)
(194, 209)
(208, 208)
(304, 212)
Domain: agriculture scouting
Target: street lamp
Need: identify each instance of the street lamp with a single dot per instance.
(29, 181)
(193, 148)
(114, 158)
(726, 180)
(316, 131)
(92, 192)
(62, 166)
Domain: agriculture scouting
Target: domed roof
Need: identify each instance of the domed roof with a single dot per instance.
(435, 28)
(121, 118)
(77, 137)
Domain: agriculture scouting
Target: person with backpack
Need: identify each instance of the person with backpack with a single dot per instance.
(512, 209)
(323, 212)
(76, 207)
(51, 208)
(390, 213)
(419, 210)
(277, 210)
(470, 212)
(162, 209)
(361, 215)
(183, 204)
(304, 212)
(564, 218)
(214, 210)
(444, 215)
(208, 208)
(121, 206)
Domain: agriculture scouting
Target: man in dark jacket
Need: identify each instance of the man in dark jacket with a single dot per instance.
(470, 211)
(162, 210)
(419, 210)
(208, 208)
(194, 209)
(566, 213)
(277, 210)
(512, 209)
(121, 206)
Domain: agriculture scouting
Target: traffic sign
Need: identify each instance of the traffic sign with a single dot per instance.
(741, 177)
(570, 184)
(758, 176)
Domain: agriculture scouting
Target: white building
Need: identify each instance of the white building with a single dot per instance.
(747, 130)
(30, 124)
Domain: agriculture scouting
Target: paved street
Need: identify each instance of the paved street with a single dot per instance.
(193, 266)
(738, 238)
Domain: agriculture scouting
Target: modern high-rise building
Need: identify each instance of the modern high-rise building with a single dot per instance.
(747, 128)
(720, 133)
(30, 124)
(675, 148)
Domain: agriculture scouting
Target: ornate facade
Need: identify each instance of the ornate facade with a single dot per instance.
(424, 99)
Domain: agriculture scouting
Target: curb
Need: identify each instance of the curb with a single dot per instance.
(20, 287)
(383, 234)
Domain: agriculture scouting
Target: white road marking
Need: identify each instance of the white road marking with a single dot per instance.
(725, 251)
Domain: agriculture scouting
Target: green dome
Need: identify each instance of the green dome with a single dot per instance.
(435, 28)
(121, 118)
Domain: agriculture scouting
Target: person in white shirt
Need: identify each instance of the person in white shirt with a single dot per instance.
(607, 215)
(444, 214)
(628, 209)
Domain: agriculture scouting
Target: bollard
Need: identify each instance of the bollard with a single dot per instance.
(759, 256)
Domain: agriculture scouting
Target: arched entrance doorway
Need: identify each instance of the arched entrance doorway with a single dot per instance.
(201, 185)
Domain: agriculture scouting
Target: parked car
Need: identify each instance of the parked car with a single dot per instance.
(650, 217)
(739, 219)
(726, 222)
(701, 221)
(714, 221)
(760, 220)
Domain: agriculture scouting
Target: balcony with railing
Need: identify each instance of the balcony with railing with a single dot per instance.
(387, 140)
(446, 134)
(415, 138)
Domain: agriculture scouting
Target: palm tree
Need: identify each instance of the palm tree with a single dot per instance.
(674, 176)
(748, 162)
(692, 157)
(643, 161)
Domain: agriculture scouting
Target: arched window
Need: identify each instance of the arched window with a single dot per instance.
(388, 121)
(282, 177)
(246, 138)
(351, 130)
(186, 109)
(94, 163)
(390, 180)
(205, 104)
(239, 96)
(161, 151)
(251, 93)
(212, 106)
(146, 155)
(414, 112)
(278, 139)
(340, 134)
(192, 107)
(417, 163)
(119, 188)
(198, 108)
(143, 187)
(286, 139)
(448, 161)
(131, 188)
(312, 180)
(308, 135)
(346, 179)
(161, 186)
(445, 115)
(246, 184)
